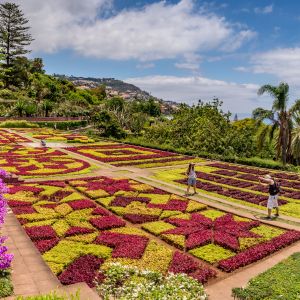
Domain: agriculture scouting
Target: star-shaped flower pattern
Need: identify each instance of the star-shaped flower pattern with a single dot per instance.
(224, 231)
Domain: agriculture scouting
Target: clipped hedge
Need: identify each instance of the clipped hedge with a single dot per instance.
(280, 282)
(18, 124)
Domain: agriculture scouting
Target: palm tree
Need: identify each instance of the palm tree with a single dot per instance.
(295, 145)
(47, 107)
(279, 116)
(20, 107)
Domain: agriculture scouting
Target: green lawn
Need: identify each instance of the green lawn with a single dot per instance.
(280, 282)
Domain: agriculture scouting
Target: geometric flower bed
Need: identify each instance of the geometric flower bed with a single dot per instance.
(239, 187)
(40, 161)
(78, 233)
(208, 234)
(76, 236)
(135, 202)
(64, 137)
(254, 171)
(287, 180)
(11, 138)
(130, 155)
(224, 240)
(22, 151)
(55, 135)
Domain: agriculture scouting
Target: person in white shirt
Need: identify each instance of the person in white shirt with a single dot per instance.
(274, 190)
(192, 178)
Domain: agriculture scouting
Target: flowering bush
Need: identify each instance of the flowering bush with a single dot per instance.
(6, 287)
(123, 282)
(5, 258)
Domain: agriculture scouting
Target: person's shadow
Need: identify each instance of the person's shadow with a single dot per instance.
(265, 218)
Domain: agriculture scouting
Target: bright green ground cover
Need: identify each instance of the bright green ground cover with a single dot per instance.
(52, 296)
(280, 282)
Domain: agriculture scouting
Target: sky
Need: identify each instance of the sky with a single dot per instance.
(177, 50)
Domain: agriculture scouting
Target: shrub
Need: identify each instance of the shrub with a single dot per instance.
(6, 287)
(18, 124)
(123, 282)
(7, 94)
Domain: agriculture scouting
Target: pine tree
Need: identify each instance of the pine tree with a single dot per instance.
(236, 117)
(14, 35)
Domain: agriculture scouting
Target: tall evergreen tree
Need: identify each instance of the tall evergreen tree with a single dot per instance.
(14, 33)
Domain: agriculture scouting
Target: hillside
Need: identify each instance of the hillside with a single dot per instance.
(116, 87)
(110, 83)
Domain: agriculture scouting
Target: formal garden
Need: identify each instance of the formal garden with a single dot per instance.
(127, 233)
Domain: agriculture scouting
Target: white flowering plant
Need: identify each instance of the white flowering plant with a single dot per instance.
(126, 282)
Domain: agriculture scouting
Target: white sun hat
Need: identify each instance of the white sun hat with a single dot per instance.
(268, 176)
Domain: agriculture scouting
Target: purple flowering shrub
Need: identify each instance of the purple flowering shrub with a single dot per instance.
(5, 258)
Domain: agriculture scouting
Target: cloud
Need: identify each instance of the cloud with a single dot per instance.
(145, 66)
(156, 31)
(236, 41)
(54, 24)
(190, 62)
(238, 98)
(241, 69)
(187, 66)
(284, 63)
(264, 10)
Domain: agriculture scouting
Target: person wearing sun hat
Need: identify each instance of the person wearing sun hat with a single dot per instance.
(274, 191)
(192, 178)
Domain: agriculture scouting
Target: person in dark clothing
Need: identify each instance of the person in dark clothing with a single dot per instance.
(273, 194)
(43, 143)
